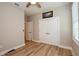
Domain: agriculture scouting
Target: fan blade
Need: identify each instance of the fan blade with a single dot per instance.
(28, 4)
(38, 5)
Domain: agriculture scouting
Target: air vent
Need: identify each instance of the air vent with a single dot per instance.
(17, 4)
(11, 50)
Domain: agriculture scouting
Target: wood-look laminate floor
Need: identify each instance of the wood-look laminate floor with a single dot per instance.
(39, 49)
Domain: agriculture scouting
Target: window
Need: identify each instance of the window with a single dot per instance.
(75, 30)
(75, 20)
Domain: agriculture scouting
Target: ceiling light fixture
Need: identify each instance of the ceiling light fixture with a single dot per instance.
(33, 2)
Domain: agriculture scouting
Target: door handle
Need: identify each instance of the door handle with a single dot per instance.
(30, 32)
(47, 33)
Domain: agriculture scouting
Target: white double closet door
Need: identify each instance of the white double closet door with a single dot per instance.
(49, 30)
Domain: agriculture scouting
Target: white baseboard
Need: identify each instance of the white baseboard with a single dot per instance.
(61, 46)
(48, 43)
(3, 52)
(66, 47)
(36, 41)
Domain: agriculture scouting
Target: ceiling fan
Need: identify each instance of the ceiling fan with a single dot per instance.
(33, 3)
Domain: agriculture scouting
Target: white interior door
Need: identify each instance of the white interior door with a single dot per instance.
(49, 30)
(30, 30)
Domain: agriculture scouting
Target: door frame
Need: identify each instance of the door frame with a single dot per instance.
(25, 30)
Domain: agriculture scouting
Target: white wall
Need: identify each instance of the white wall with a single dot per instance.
(11, 25)
(64, 12)
(65, 26)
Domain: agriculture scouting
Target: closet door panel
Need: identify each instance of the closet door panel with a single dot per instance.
(53, 30)
(43, 30)
(49, 30)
